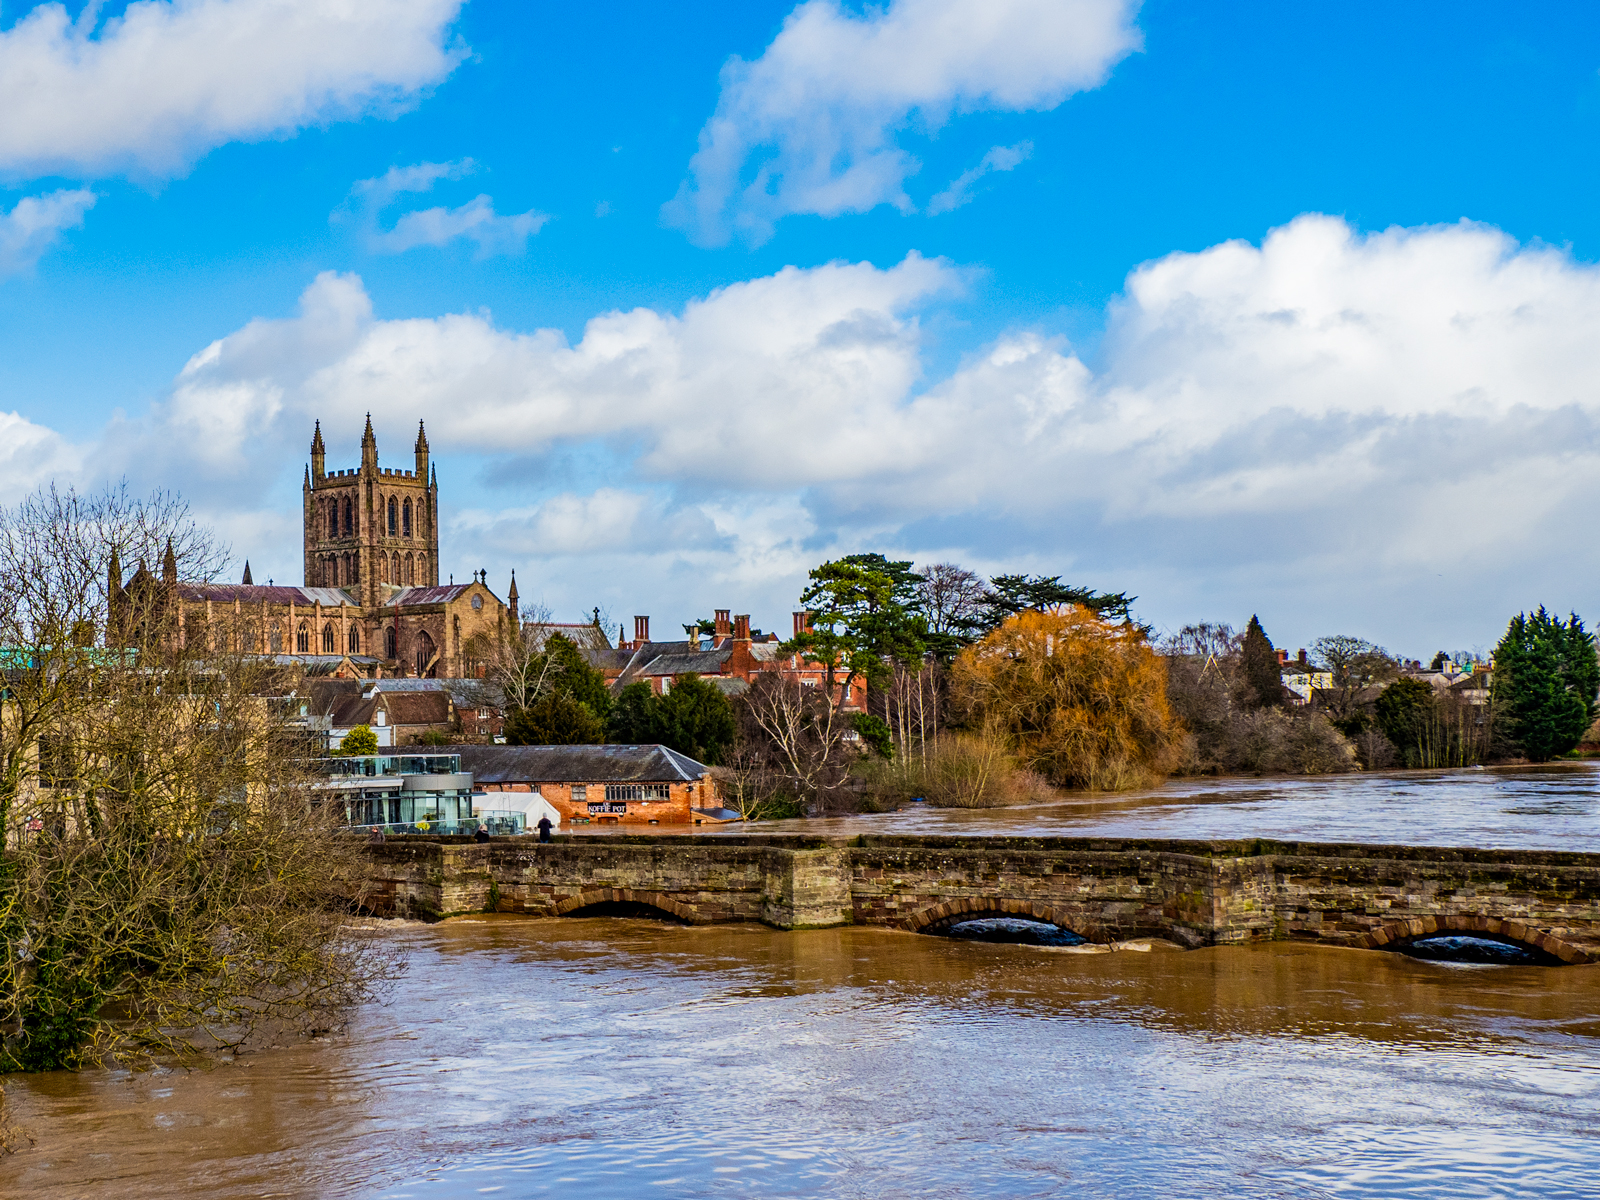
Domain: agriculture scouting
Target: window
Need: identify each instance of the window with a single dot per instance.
(580, 793)
(425, 656)
(422, 570)
(355, 640)
(638, 791)
(349, 517)
(483, 714)
(327, 638)
(388, 642)
(405, 520)
(333, 518)
(394, 516)
(477, 602)
(302, 639)
(411, 571)
(277, 641)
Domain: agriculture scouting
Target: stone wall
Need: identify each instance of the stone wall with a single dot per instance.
(1196, 893)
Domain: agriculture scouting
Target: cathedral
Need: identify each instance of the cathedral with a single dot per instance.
(371, 604)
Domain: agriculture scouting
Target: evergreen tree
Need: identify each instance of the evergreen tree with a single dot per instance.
(1402, 712)
(693, 718)
(360, 740)
(1546, 676)
(696, 719)
(635, 717)
(1260, 663)
(556, 719)
(570, 672)
(1009, 595)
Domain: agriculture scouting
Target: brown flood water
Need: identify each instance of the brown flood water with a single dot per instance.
(616, 1058)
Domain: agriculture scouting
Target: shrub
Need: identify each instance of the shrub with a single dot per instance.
(360, 740)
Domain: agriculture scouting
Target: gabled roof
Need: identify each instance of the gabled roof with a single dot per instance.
(403, 708)
(441, 594)
(578, 764)
(261, 593)
(584, 635)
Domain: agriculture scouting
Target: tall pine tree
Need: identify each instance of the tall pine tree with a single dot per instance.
(1260, 663)
(1545, 677)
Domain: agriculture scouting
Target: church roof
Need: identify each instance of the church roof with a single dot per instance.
(428, 595)
(257, 593)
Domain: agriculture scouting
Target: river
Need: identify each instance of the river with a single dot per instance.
(596, 1057)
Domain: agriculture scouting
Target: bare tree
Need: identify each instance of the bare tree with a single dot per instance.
(806, 734)
(164, 856)
(1356, 665)
(951, 598)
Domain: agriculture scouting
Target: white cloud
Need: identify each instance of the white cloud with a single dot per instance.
(475, 221)
(35, 224)
(1000, 158)
(168, 80)
(1375, 432)
(810, 126)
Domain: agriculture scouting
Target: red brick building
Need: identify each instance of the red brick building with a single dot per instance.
(732, 657)
(601, 785)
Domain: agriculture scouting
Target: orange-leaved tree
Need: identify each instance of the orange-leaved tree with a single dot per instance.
(1082, 701)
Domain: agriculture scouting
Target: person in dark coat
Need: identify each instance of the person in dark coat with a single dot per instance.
(544, 829)
(482, 835)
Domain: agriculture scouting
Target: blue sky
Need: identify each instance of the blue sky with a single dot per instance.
(1166, 299)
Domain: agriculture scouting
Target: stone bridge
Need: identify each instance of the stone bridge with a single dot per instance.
(1195, 893)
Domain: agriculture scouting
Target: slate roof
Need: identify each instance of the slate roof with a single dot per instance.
(578, 764)
(427, 595)
(404, 708)
(261, 593)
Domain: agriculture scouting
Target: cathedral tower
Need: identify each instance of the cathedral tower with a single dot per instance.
(371, 530)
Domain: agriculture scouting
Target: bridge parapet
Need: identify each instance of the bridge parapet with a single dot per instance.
(1106, 889)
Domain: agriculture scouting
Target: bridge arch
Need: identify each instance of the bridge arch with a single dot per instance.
(1394, 934)
(589, 898)
(942, 917)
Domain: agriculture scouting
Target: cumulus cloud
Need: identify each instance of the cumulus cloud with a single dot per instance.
(1000, 158)
(475, 221)
(167, 80)
(811, 125)
(35, 224)
(1350, 427)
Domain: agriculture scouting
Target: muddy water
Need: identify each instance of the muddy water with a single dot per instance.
(1550, 807)
(619, 1058)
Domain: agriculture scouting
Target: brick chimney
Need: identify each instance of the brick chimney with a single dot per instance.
(1283, 657)
(641, 631)
(741, 628)
(802, 623)
(723, 628)
(1301, 658)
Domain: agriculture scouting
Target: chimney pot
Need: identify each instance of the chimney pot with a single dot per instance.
(724, 628)
(741, 628)
(641, 630)
(1302, 657)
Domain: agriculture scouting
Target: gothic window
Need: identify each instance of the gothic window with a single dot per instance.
(355, 568)
(388, 641)
(394, 516)
(405, 526)
(302, 639)
(277, 641)
(327, 638)
(411, 570)
(333, 517)
(355, 640)
(422, 569)
(349, 518)
(383, 568)
(426, 668)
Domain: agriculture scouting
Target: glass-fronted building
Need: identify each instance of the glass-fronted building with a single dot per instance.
(411, 793)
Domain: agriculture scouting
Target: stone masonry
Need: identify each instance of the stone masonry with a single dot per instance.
(1192, 892)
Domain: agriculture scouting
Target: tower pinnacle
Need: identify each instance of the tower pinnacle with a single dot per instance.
(319, 453)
